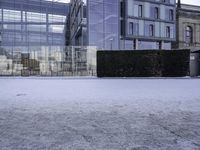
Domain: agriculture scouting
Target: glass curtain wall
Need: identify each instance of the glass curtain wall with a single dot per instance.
(26, 23)
(103, 23)
(32, 31)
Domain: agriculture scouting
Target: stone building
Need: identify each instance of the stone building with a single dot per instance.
(188, 26)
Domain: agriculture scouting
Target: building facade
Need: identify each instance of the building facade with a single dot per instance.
(188, 27)
(126, 24)
(148, 24)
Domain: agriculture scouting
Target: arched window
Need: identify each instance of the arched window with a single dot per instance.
(188, 35)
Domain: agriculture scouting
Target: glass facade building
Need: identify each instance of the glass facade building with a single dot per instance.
(27, 23)
(32, 37)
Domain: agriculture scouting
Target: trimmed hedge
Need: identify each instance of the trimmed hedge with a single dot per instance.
(143, 63)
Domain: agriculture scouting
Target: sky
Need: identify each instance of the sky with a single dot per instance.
(193, 2)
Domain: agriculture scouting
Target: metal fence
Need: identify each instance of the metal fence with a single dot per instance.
(48, 61)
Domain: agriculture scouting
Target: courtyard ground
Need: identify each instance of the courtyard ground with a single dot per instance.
(99, 114)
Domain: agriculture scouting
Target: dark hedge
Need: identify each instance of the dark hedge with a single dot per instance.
(143, 63)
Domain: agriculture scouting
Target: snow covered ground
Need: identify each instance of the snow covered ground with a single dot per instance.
(99, 114)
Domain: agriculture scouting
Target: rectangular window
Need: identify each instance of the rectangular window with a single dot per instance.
(135, 28)
(122, 27)
(166, 1)
(122, 6)
(11, 15)
(36, 17)
(56, 28)
(140, 10)
(12, 26)
(37, 28)
(156, 13)
(151, 30)
(171, 15)
(168, 32)
(56, 18)
(131, 28)
(0, 14)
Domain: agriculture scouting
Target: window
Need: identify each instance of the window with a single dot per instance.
(171, 15)
(0, 14)
(151, 30)
(140, 10)
(166, 1)
(56, 18)
(56, 28)
(122, 9)
(188, 35)
(134, 44)
(156, 12)
(131, 28)
(11, 15)
(36, 17)
(37, 28)
(168, 32)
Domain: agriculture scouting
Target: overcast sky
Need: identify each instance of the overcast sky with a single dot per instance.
(193, 2)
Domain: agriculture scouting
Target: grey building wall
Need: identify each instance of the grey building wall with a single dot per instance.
(140, 15)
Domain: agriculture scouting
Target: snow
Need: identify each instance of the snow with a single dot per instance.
(99, 114)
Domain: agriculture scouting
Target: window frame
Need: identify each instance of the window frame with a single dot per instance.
(168, 32)
(151, 30)
(140, 11)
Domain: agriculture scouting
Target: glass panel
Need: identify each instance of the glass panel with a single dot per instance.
(36, 17)
(11, 27)
(131, 28)
(56, 18)
(103, 23)
(24, 16)
(0, 14)
(56, 28)
(39, 28)
(32, 37)
(140, 10)
(148, 45)
(11, 15)
(48, 61)
(168, 32)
